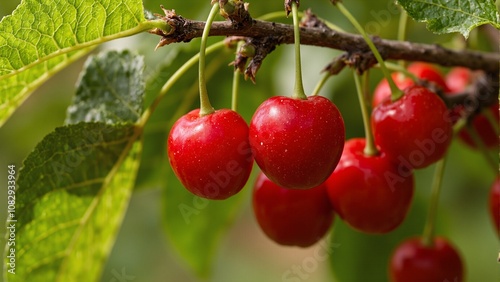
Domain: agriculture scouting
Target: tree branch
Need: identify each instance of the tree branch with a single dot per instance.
(262, 37)
(184, 30)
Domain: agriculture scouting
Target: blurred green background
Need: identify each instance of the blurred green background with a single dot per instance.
(141, 251)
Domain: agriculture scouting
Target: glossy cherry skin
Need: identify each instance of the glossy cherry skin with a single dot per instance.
(211, 154)
(297, 143)
(292, 217)
(458, 79)
(371, 194)
(415, 129)
(423, 71)
(487, 133)
(414, 262)
(495, 204)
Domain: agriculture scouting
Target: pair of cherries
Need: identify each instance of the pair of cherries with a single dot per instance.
(412, 132)
(373, 193)
(296, 142)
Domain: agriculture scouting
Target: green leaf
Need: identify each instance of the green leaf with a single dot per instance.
(72, 195)
(110, 89)
(42, 36)
(454, 15)
(14, 90)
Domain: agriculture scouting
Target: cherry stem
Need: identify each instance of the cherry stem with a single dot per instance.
(236, 84)
(298, 91)
(403, 20)
(173, 79)
(205, 106)
(481, 146)
(396, 93)
(321, 83)
(370, 148)
(401, 69)
(459, 124)
(191, 93)
(429, 229)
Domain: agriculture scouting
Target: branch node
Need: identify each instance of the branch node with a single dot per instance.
(311, 20)
(336, 65)
(263, 46)
(178, 29)
(236, 11)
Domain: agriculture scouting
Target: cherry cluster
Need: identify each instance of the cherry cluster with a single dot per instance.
(438, 260)
(309, 172)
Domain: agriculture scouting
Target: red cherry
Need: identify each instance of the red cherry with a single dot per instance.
(484, 129)
(292, 217)
(458, 79)
(370, 193)
(383, 90)
(297, 143)
(414, 262)
(210, 154)
(495, 204)
(421, 70)
(429, 73)
(415, 129)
